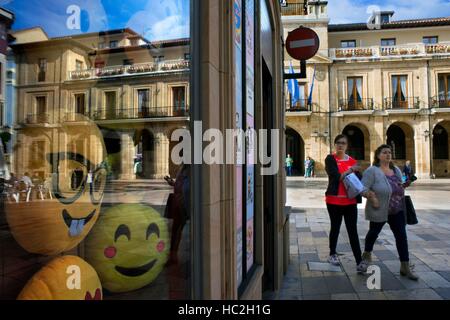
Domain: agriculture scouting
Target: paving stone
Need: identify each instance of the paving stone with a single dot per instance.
(339, 284)
(428, 237)
(306, 257)
(385, 255)
(323, 266)
(372, 295)
(314, 286)
(443, 292)
(417, 294)
(433, 280)
(445, 275)
(344, 296)
(411, 284)
(320, 234)
(317, 297)
(304, 229)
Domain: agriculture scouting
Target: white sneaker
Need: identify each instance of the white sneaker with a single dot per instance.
(334, 260)
(362, 267)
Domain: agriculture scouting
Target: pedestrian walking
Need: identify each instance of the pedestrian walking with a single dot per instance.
(289, 163)
(307, 167)
(338, 165)
(383, 180)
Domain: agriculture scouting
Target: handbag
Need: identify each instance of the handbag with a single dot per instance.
(411, 217)
(353, 185)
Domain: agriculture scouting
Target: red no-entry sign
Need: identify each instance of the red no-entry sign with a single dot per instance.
(302, 43)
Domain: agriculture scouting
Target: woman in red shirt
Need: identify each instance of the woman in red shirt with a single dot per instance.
(338, 165)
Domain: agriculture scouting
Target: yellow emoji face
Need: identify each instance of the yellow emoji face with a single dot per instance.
(53, 212)
(128, 247)
(64, 278)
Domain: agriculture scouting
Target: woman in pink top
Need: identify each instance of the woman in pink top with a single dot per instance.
(338, 165)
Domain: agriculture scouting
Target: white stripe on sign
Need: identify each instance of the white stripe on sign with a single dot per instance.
(303, 43)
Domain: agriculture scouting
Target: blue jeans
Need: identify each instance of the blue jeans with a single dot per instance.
(289, 171)
(398, 227)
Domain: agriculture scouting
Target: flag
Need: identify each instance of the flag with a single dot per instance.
(312, 88)
(293, 87)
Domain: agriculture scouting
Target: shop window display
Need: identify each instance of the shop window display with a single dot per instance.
(100, 222)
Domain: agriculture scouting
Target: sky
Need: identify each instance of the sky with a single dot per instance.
(169, 19)
(154, 19)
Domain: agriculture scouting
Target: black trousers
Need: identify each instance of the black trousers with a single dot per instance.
(350, 214)
(398, 227)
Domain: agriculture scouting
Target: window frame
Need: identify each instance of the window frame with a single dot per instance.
(430, 37)
(388, 39)
(348, 41)
(42, 69)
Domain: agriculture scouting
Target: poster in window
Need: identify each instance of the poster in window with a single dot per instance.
(250, 244)
(237, 6)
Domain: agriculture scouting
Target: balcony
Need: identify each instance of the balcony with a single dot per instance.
(440, 102)
(134, 113)
(354, 105)
(40, 118)
(294, 9)
(405, 104)
(135, 69)
(300, 106)
(390, 52)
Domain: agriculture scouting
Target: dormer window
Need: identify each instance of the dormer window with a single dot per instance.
(385, 18)
(114, 44)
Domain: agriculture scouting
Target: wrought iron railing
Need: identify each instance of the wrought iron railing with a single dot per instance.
(404, 103)
(355, 104)
(440, 102)
(300, 105)
(294, 9)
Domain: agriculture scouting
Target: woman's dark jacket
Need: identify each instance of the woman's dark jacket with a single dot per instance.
(334, 177)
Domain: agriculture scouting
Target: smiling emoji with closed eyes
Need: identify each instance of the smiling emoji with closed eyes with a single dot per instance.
(128, 247)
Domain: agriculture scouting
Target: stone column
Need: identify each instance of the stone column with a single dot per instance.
(161, 155)
(128, 152)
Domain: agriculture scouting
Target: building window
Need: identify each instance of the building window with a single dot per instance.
(114, 44)
(187, 56)
(37, 154)
(42, 69)
(80, 103)
(158, 58)
(444, 90)
(101, 45)
(41, 105)
(128, 62)
(78, 65)
(388, 42)
(354, 92)
(143, 102)
(179, 98)
(399, 91)
(301, 101)
(348, 44)
(110, 104)
(430, 40)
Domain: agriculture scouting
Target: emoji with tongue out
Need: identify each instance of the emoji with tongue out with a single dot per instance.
(59, 213)
(64, 278)
(128, 246)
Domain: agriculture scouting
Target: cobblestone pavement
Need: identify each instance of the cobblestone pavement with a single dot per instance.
(429, 246)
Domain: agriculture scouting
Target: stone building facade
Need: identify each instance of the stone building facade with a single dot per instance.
(384, 84)
(136, 91)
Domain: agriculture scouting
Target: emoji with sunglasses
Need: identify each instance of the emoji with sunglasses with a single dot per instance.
(72, 155)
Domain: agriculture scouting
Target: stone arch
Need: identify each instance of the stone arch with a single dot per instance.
(400, 136)
(359, 141)
(441, 149)
(295, 146)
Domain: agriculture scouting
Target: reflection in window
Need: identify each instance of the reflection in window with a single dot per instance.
(96, 206)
